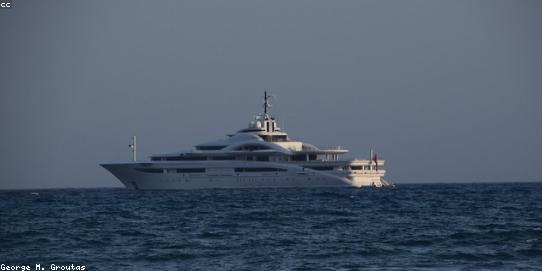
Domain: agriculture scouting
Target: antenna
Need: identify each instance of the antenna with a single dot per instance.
(133, 146)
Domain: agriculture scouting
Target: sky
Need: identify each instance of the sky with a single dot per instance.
(444, 91)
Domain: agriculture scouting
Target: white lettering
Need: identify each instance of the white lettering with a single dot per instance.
(14, 267)
(67, 267)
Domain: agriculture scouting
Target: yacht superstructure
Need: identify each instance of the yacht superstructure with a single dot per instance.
(261, 155)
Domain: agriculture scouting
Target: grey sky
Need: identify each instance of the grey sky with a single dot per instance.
(443, 90)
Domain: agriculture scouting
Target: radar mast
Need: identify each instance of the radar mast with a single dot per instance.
(266, 103)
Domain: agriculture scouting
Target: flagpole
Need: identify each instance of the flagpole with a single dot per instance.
(133, 147)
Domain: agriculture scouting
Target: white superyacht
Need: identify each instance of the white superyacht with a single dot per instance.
(261, 155)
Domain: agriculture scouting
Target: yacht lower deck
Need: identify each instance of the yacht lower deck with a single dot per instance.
(241, 174)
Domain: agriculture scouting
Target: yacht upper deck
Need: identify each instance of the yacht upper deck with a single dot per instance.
(263, 140)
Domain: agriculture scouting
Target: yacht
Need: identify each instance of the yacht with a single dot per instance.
(261, 155)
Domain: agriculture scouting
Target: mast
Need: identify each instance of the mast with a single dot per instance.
(265, 103)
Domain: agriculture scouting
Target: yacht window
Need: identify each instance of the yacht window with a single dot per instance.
(190, 170)
(185, 158)
(257, 169)
(299, 157)
(321, 168)
(150, 170)
(250, 130)
(252, 148)
(357, 167)
(210, 148)
(262, 158)
(274, 138)
(223, 158)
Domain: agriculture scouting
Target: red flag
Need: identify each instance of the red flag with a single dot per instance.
(375, 159)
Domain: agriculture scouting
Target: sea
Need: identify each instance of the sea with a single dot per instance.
(484, 226)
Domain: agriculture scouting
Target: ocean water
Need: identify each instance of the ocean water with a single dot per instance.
(409, 227)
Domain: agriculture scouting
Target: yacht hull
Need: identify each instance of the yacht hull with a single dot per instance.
(223, 175)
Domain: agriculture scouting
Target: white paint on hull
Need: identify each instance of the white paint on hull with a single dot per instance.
(221, 175)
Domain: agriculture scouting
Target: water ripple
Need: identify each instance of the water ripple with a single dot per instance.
(413, 227)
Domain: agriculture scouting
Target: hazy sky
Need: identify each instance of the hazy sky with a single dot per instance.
(443, 90)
